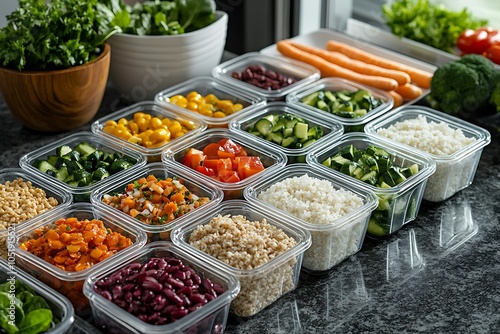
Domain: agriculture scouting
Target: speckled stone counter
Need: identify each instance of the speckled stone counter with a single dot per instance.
(439, 274)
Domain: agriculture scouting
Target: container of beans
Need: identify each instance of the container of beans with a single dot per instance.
(59, 320)
(270, 76)
(211, 100)
(157, 197)
(225, 159)
(177, 293)
(262, 249)
(455, 145)
(81, 162)
(293, 130)
(148, 127)
(398, 176)
(64, 248)
(344, 101)
(332, 208)
(25, 196)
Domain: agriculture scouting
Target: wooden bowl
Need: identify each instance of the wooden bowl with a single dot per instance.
(60, 100)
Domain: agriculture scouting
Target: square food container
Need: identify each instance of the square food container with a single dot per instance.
(271, 158)
(333, 242)
(318, 132)
(355, 124)
(70, 283)
(209, 318)
(105, 146)
(301, 72)
(190, 180)
(397, 205)
(146, 131)
(62, 310)
(261, 285)
(454, 172)
(9, 195)
(225, 97)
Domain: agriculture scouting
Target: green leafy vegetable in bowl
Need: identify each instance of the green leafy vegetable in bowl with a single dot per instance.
(161, 17)
(465, 87)
(32, 314)
(427, 23)
(56, 34)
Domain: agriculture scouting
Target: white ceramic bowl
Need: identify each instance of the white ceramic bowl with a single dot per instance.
(142, 66)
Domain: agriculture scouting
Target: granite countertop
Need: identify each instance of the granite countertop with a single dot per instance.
(438, 274)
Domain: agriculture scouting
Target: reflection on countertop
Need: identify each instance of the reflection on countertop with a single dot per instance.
(438, 274)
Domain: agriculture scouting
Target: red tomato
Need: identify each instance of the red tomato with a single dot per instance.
(477, 41)
(205, 170)
(229, 149)
(211, 150)
(493, 53)
(248, 166)
(224, 164)
(193, 158)
(229, 176)
(211, 163)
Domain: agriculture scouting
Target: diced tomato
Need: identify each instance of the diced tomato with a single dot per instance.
(205, 170)
(229, 149)
(211, 163)
(211, 150)
(229, 176)
(224, 164)
(193, 158)
(248, 166)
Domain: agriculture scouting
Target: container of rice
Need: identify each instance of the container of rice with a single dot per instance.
(332, 208)
(455, 145)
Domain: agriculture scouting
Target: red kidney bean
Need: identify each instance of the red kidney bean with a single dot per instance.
(175, 283)
(171, 295)
(259, 76)
(147, 296)
(198, 298)
(151, 283)
(179, 312)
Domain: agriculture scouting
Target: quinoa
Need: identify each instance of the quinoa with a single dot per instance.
(247, 245)
(317, 202)
(20, 201)
(440, 140)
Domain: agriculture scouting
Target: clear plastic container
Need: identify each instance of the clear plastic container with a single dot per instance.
(210, 85)
(62, 197)
(302, 72)
(336, 85)
(331, 129)
(70, 283)
(80, 194)
(154, 109)
(190, 180)
(62, 310)
(397, 205)
(272, 158)
(210, 318)
(262, 285)
(334, 241)
(454, 172)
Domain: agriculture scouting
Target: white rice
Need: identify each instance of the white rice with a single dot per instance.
(318, 202)
(442, 141)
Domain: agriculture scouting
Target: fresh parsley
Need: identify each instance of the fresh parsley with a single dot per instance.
(56, 34)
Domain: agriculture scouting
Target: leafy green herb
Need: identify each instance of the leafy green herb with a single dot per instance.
(56, 34)
(161, 17)
(32, 313)
(433, 25)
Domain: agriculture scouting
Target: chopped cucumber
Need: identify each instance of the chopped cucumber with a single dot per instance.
(63, 150)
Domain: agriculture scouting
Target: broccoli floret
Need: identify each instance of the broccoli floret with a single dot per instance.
(495, 97)
(484, 67)
(453, 84)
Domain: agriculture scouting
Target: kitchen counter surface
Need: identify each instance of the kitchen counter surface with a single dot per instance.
(439, 274)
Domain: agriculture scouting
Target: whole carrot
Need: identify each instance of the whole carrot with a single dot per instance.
(328, 69)
(398, 99)
(355, 65)
(409, 91)
(419, 77)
